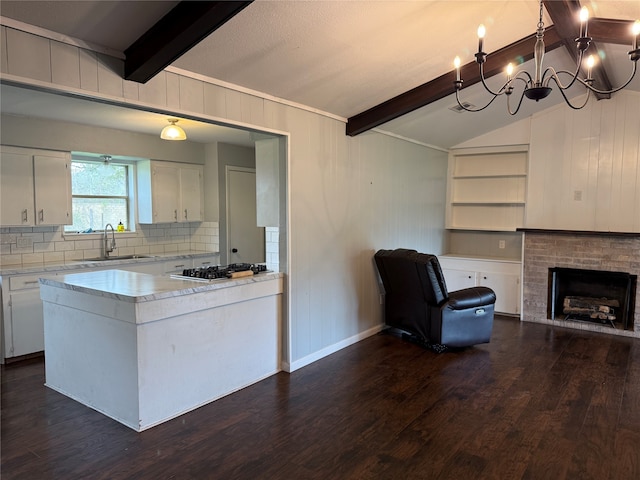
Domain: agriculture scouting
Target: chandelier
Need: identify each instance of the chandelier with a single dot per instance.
(537, 88)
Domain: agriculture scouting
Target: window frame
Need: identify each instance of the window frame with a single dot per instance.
(130, 197)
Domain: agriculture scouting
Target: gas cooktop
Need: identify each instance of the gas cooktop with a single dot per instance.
(215, 272)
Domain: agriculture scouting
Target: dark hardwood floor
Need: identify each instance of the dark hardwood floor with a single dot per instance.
(536, 403)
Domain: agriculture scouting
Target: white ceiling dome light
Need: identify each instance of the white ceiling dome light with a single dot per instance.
(173, 131)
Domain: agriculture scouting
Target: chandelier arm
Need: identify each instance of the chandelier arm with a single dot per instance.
(566, 99)
(486, 87)
(523, 72)
(613, 90)
(474, 109)
(519, 104)
(574, 76)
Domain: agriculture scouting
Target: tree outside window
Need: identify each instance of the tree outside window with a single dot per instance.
(100, 195)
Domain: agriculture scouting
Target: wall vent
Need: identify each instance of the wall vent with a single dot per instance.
(458, 109)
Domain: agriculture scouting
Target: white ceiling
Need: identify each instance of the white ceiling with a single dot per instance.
(339, 56)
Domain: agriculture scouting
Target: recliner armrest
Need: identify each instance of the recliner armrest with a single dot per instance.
(471, 298)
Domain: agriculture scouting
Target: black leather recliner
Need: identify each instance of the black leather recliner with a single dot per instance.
(417, 301)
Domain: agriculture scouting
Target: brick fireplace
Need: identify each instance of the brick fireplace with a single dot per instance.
(551, 249)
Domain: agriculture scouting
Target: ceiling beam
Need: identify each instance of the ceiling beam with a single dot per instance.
(607, 30)
(174, 34)
(562, 12)
(564, 15)
(443, 86)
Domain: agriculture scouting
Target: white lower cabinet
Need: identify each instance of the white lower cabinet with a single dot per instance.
(22, 318)
(22, 315)
(502, 276)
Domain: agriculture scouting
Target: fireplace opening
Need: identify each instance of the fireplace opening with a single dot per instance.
(606, 298)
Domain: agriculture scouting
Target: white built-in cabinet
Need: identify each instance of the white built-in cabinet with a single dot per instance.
(170, 192)
(35, 187)
(487, 188)
(502, 276)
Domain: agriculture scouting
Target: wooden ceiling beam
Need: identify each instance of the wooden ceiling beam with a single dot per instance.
(565, 14)
(607, 30)
(562, 12)
(429, 92)
(184, 26)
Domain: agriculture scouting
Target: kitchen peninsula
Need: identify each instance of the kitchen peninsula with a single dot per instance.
(143, 349)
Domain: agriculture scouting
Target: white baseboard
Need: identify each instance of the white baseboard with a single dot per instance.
(315, 356)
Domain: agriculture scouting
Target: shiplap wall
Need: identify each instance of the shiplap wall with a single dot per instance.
(592, 154)
(585, 167)
(348, 197)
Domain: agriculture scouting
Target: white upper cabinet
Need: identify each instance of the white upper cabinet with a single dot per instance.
(35, 187)
(169, 192)
(191, 193)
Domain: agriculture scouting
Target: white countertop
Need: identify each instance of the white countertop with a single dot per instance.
(141, 287)
(85, 264)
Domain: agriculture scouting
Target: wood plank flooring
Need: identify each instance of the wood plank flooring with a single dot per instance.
(538, 402)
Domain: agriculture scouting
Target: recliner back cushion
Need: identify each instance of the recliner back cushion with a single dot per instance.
(432, 278)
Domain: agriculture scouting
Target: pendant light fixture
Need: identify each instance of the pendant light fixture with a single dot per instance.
(538, 87)
(173, 131)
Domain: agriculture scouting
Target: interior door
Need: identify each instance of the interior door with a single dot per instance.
(245, 240)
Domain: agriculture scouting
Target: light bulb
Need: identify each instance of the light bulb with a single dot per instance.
(635, 31)
(509, 71)
(590, 63)
(584, 14)
(481, 33)
(456, 64)
(584, 17)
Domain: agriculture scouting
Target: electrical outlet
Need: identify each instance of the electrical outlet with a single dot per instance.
(24, 242)
(501, 244)
(577, 195)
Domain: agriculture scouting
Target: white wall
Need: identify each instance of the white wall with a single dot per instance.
(584, 166)
(348, 197)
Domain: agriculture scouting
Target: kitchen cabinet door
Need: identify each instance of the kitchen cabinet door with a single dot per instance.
(35, 187)
(170, 192)
(166, 193)
(27, 324)
(191, 193)
(16, 188)
(52, 179)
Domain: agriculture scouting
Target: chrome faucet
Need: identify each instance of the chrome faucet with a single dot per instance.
(108, 249)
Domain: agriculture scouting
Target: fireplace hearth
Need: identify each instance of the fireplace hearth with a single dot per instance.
(596, 296)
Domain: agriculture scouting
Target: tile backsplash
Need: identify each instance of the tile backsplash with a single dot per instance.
(33, 245)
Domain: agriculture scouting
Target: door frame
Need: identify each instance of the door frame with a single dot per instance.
(227, 170)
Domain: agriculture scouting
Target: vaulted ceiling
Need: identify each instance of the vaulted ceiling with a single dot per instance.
(378, 64)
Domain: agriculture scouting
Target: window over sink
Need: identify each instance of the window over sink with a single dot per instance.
(101, 194)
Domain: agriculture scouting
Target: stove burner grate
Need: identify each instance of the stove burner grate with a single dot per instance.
(218, 271)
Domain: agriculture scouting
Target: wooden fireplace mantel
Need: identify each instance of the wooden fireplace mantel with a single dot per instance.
(579, 232)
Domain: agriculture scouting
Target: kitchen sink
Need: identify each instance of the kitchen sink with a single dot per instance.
(115, 257)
